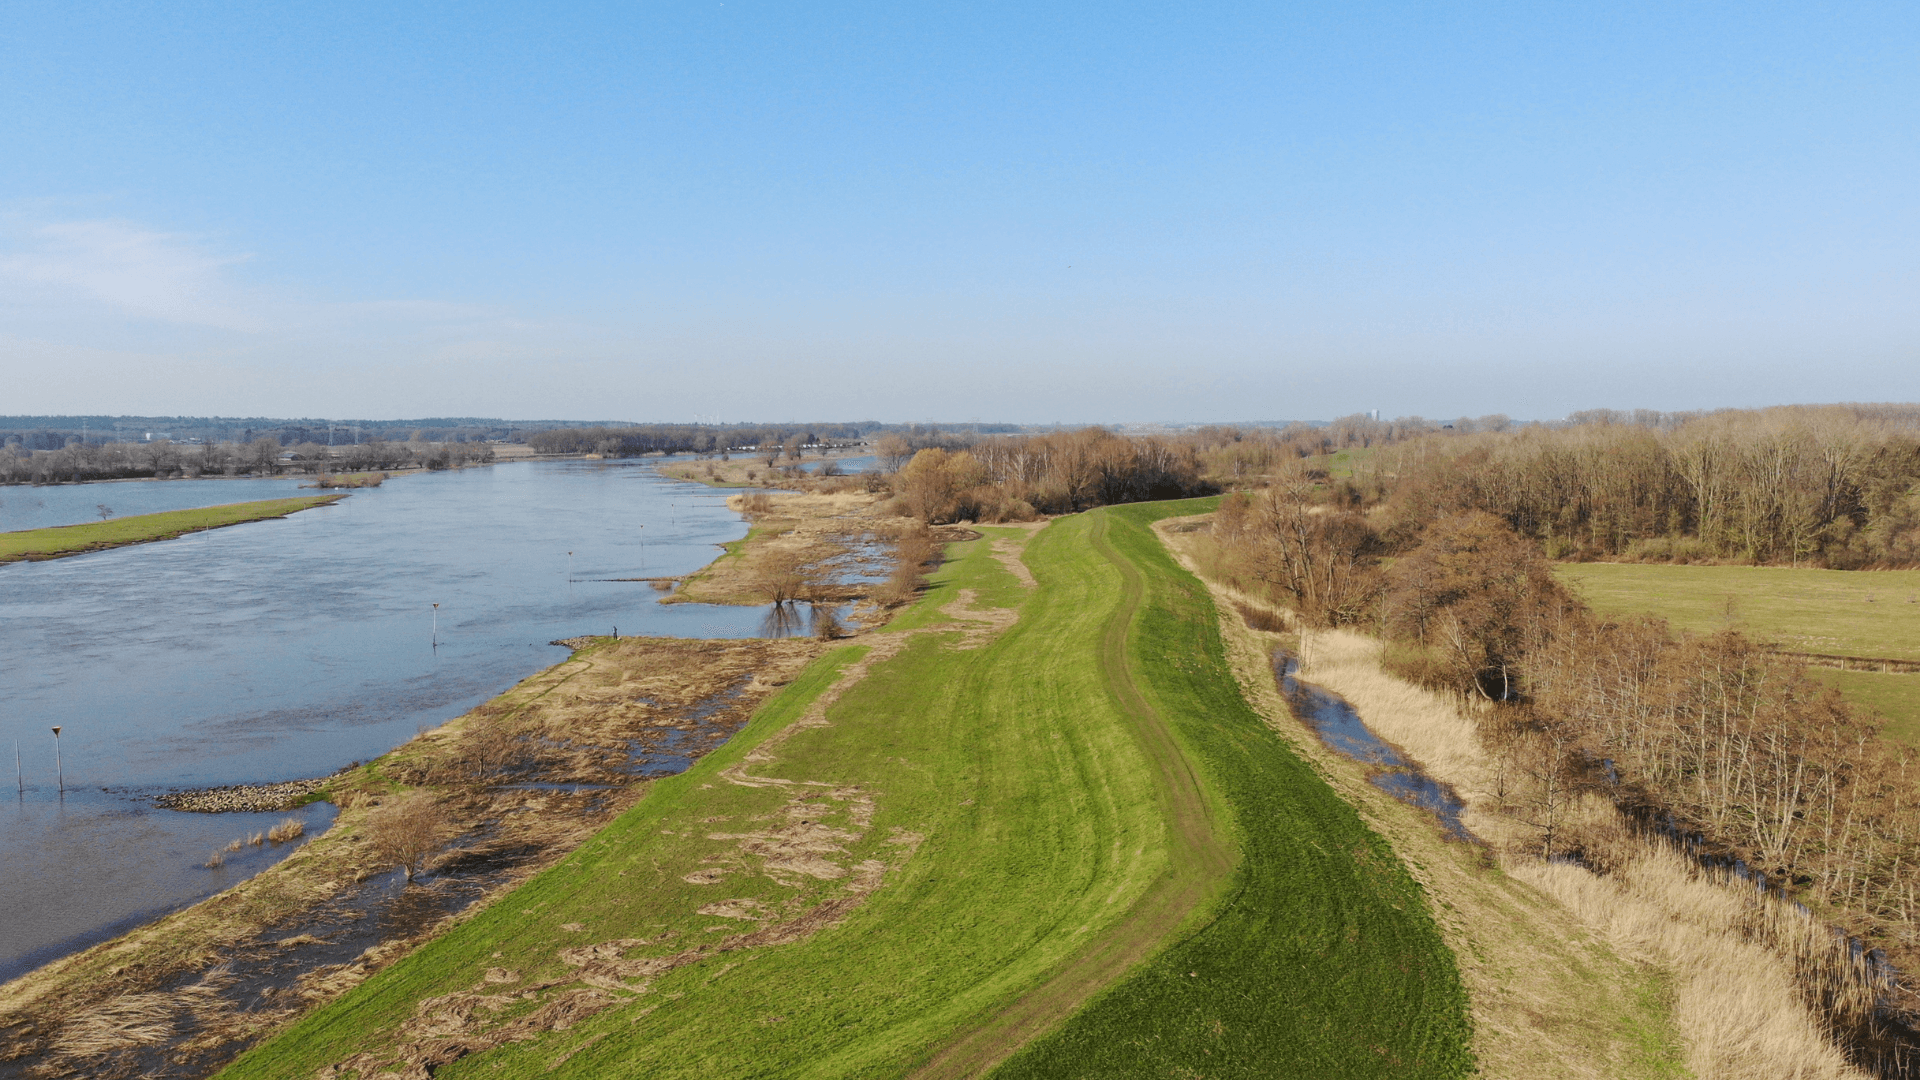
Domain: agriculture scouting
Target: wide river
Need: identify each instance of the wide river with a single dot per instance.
(289, 648)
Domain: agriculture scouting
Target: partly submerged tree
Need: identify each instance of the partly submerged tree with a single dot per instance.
(407, 830)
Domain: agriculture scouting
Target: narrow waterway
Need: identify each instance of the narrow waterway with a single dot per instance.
(1339, 726)
(282, 649)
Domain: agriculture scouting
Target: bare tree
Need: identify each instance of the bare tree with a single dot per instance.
(407, 830)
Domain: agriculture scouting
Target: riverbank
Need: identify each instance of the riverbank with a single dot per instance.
(516, 784)
(523, 780)
(246, 798)
(60, 541)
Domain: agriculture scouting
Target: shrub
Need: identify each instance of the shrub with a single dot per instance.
(826, 622)
(408, 830)
(781, 577)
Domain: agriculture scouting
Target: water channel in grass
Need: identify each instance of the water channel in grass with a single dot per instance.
(1340, 727)
(289, 648)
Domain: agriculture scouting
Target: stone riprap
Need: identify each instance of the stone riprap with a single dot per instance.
(242, 798)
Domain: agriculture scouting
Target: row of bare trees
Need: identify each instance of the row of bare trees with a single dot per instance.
(638, 439)
(1835, 486)
(262, 457)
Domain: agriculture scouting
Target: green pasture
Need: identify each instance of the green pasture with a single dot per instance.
(1341, 463)
(1868, 613)
(64, 540)
(1895, 696)
(1081, 809)
(1837, 612)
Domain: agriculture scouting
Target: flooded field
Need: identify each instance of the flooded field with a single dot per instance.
(28, 507)
(289, 648)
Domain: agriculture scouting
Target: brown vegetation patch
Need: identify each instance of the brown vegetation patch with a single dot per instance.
(1744, 968)
(576, 723)
(799, 545)
(809, 831)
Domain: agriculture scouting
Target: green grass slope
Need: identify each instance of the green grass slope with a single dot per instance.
(995, 828)
(64, 540)
(1324, 961)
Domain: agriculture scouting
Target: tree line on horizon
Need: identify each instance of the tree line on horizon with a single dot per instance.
(164, 459)
(1827, 486)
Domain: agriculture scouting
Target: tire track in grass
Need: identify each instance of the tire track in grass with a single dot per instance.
(1201, 861)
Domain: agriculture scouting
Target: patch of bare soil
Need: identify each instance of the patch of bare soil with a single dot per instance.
(521, 781)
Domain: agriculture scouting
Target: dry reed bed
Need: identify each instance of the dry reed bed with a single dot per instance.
(796, 543)
(156, 995)
(1743, 962)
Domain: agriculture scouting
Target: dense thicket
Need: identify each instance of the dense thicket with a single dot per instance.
(1011, 478)
(1716, 739)
(1835, 486)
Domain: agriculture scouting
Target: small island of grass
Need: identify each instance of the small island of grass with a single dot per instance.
(63, 540)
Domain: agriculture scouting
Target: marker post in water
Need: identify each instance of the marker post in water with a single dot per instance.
(19, 776)
(436, 626)
(59, 770)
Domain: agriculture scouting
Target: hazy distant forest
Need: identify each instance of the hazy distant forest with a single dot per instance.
(1829, 486)
(266, 456)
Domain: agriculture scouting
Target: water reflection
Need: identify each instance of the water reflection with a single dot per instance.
(282, 649)
(28, 507)
(1340, 727)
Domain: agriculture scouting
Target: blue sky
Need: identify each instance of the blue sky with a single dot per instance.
(1022, 212)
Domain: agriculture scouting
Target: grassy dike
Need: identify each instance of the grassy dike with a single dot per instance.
(936, 845)
(1323, 960)
(63, 540)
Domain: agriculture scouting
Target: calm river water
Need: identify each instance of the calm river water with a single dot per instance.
(285, 649)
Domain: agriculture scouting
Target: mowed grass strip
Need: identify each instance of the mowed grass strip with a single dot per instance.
(1011, 803)
(1835, 612)
(1322, 960)
(63, 540)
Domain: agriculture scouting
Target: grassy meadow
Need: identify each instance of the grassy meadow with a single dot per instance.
(64, 540)
(1866, 613)
(1837, 612)
(1894, 696)
(1021, 811)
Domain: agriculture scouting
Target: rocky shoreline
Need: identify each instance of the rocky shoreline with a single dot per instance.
(242, 798)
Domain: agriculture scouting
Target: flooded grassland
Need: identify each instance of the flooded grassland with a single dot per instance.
(518, 783)
(515, 783)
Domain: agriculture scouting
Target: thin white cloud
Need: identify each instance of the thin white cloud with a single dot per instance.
(69, 280)
(127, 269)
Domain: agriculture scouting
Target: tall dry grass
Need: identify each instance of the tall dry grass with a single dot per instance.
(1759, 986)
(131, 1022)
(1736, 1001)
